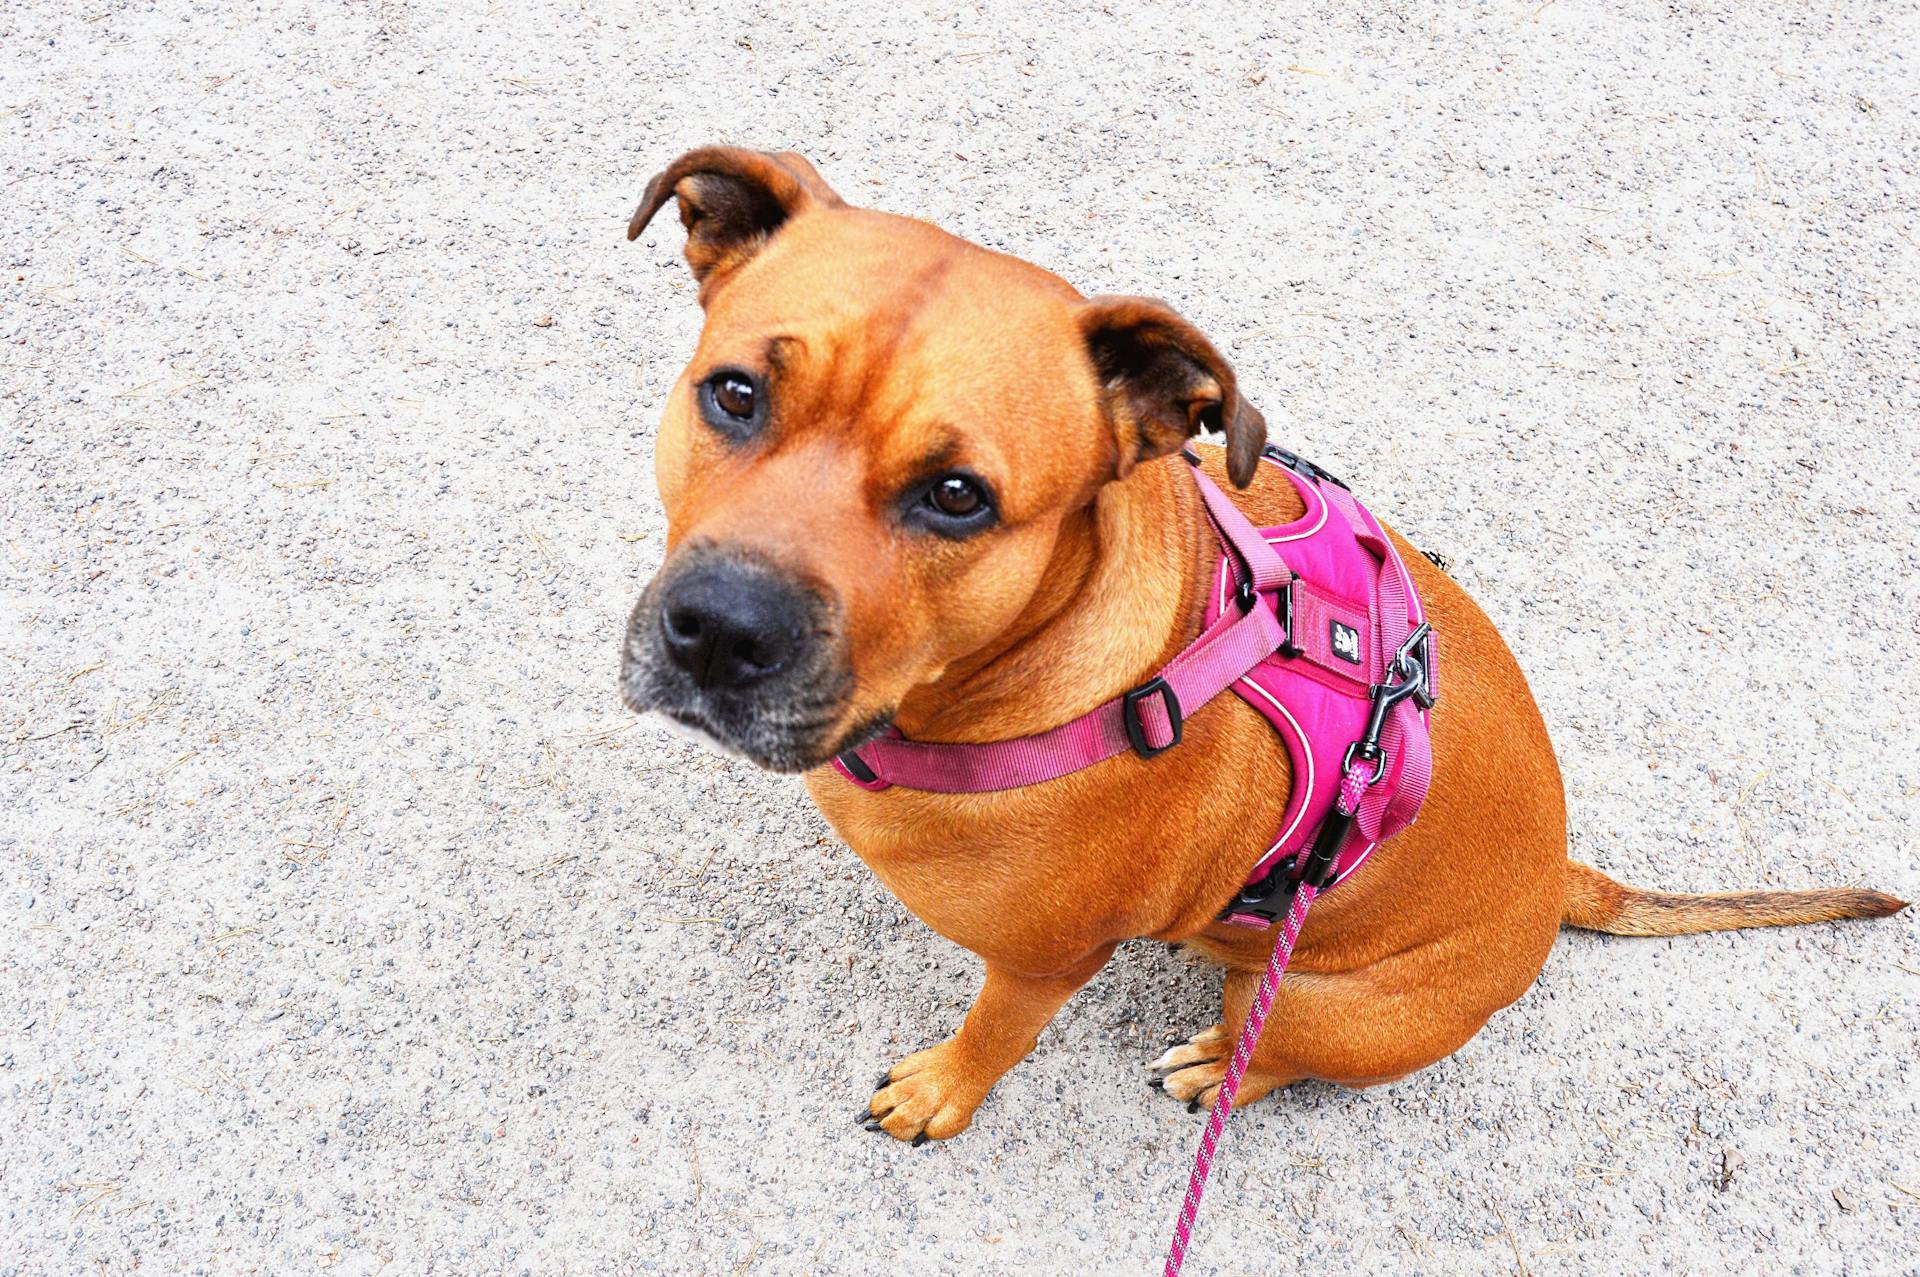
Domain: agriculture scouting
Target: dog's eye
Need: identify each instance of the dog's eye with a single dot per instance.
(953, 506)
(734, 394)
(956, 496)
(732, 402)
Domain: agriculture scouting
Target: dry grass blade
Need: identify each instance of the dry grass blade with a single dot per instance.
(93, 1201)
(1512, 1240)
(140, 257)
(747, 1263)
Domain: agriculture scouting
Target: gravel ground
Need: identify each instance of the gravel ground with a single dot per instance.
(349, 926)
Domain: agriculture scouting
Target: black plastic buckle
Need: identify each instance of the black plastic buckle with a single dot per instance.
(1269, 898)
(858, 767)
(1272, 896)
(1283, 605)
(1300, 465)
(1136, 730)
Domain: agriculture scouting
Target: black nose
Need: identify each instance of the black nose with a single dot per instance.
(730, 624)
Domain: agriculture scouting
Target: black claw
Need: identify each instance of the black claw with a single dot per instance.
(1157, 1083)
(1193, 1105)
(873, 1126)
(920, 1139)
(866, 1115)
(886, 1080)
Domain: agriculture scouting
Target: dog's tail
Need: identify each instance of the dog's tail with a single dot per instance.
(1598, 903)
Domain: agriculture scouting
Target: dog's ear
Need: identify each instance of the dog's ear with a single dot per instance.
(1162, 382)
(731, 202)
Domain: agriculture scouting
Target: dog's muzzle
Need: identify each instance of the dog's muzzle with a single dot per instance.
(738, 651)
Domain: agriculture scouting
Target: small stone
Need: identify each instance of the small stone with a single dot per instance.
(1842, 1200)
(545, 321)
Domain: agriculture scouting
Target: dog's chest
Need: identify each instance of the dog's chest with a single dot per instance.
(1105, 854)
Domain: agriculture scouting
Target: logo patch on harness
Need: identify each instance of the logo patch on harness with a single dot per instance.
(1346, 642)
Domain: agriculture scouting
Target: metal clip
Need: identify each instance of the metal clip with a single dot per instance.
(1406, 677)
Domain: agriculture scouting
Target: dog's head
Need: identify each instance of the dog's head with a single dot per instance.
(868, 460)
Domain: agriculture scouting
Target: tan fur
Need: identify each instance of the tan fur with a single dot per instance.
(1598, 903)
(893, 339)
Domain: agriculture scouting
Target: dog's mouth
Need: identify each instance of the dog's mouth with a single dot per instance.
(791, 755)
(775, 738)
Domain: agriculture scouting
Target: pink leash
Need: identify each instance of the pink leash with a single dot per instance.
(1236, 1067)
(1315, 872)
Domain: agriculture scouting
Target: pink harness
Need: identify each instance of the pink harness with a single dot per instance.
(1317, 625)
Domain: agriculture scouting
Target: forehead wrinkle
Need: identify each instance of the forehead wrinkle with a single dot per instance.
(860, 371)
(861, 387)
(923, 450)
(938, 456)
(908, 455)
(914, 454)
(885, 332)
(781, 350)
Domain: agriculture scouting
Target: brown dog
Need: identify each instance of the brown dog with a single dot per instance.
(911, 481)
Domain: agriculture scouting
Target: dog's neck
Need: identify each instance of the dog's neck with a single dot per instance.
(1122, 594)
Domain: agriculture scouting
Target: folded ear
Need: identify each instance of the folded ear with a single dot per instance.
(731, 201)
(1163, 383)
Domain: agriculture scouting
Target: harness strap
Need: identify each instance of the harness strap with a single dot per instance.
(1236, 1069)
(1147, 719)
(1269, 571)
(1234, 645)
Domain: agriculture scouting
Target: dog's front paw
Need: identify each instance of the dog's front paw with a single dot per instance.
(930, 1095)
(1193, 1070)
